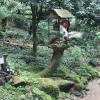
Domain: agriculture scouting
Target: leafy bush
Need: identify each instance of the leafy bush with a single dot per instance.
(11, 93)
(43, 57)
(88, 71)
(42, 95)
(73, 57)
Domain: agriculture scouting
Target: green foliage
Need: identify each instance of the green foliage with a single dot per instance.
(97, 43)
(82, 75)
(4, 12)
(11, 93)
(42, 95)
(98, 35)
(9, 9)
(8, 93)
(88, 71)
(19, 20)
(73, 57)
(43, 57)
(74, 65)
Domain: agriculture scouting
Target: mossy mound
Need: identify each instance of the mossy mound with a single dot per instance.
(53, 87)
(49, 86)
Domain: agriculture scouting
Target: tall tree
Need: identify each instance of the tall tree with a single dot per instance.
(58, 50)
(85, 9)
(38, 9)
(8, 9)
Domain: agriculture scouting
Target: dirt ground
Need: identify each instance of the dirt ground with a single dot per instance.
(94, 91)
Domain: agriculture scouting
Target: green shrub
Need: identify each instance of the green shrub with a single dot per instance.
(88, 72)
(73, 58)
(41, 95)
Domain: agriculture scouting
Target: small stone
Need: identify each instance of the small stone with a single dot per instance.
(17, 80)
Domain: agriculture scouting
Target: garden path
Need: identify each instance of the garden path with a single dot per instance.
(94, 91)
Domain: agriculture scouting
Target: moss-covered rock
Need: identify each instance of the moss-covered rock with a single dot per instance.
(49, 86)
(65, 85)
(17, 80)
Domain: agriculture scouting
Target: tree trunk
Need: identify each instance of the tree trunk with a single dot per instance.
(34, 28)
(55, 61)
(4, 23)
(30, 29)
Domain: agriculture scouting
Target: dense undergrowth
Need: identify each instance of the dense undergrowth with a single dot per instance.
(75, 68)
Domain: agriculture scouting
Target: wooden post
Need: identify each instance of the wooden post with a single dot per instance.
(4, 66)
(5, 59)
